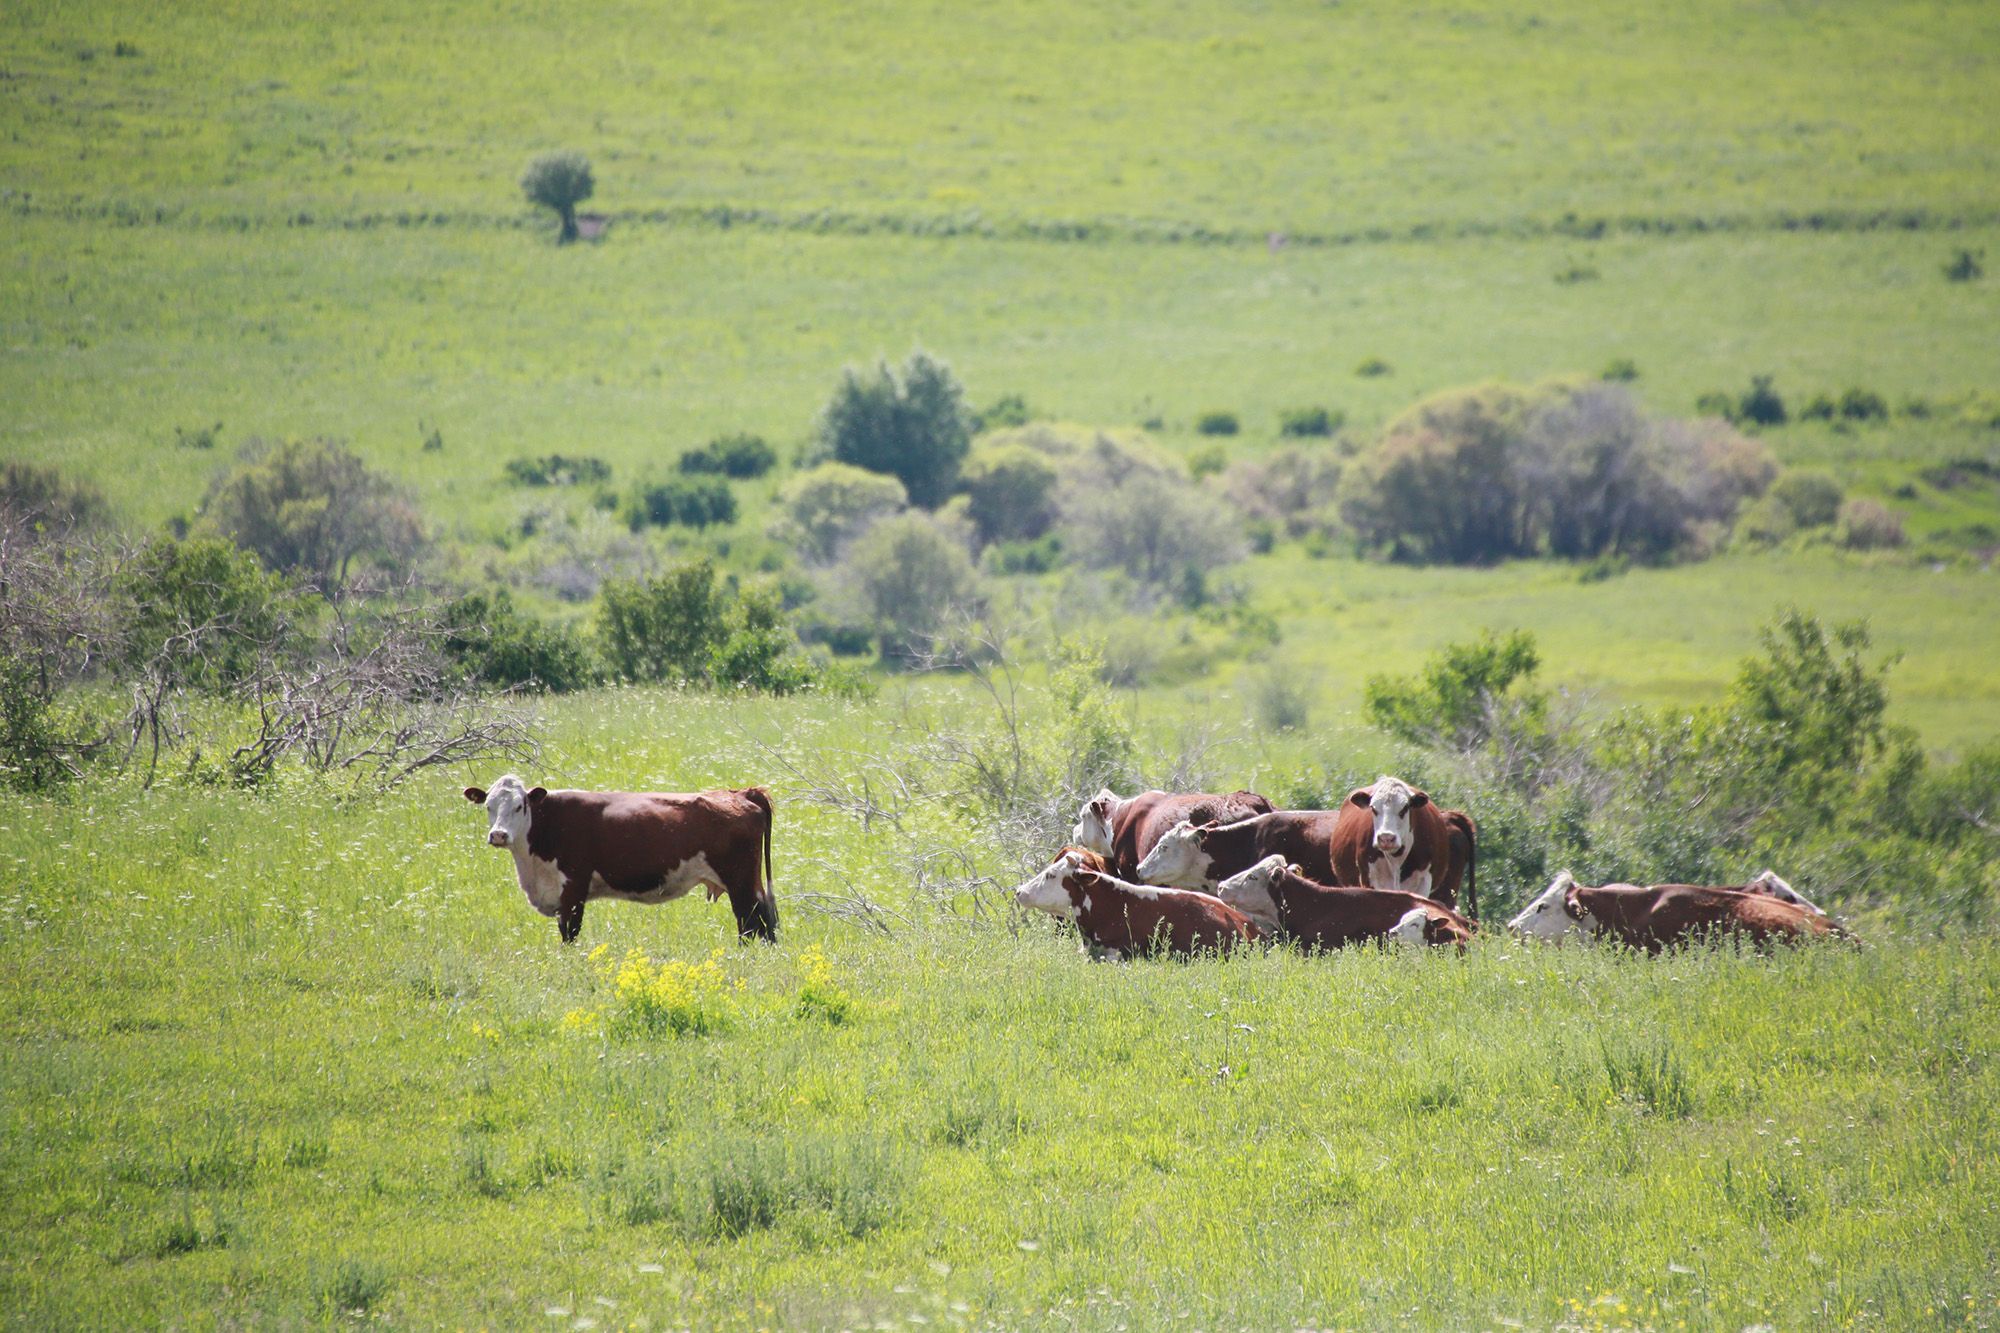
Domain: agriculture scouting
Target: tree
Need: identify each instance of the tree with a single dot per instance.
(911, 575)
(311, 507)
(560, 181)
(1012, 493)
(1458, 695)
(662, 629)
(203, 612)
(1157, 529)
(913, 426)
(826, 507)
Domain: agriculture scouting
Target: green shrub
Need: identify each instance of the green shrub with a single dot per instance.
(44, 499)
(910, 425)
(823, 509)
(1303, 422)
(1965, 266)
(1819, 407)
(739, 456)
(1812, 498)
(202, 612)
(499, 645)
(1619, 370)
(683, 501)
(1863, 405)
(758, 650)
(313, 508)
(1039, 556)
(662, 629)
(1460, 692)
(1716, 404)
(1010, 492)
(1372, 367)
(1760, 404)
(200, 437)
(1217, 423)
(1005, 412)
(1207, 462)
(912, 576)
(557, 470)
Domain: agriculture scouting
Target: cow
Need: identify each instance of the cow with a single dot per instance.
(1768, 882)
(646, 847)
(1200, 856)
(1666, 914)
(1133, 920)
(1392, 836)
(1284, 902)
(1124, 828)
(1424, 926)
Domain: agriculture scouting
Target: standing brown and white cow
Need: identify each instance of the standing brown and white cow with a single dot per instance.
(645, 847)
(1392, 836)
(1666, 914)
(1124, 828)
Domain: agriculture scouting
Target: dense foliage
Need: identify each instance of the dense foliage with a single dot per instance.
(560, 181)
(911, 424)
(311, 508)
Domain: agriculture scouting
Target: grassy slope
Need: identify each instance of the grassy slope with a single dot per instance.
(337, 1034)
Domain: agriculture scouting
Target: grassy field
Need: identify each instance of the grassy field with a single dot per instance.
(269, 1058)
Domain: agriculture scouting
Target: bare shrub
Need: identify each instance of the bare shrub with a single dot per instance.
(1294, 488)
(1867, 525)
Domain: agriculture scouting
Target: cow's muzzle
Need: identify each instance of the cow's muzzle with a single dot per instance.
(497, 837)
(1388, 842)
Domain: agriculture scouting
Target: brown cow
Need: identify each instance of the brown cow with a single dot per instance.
(1666, 914)
(1125, 828)
(1133, 919)
(646, 847)
(1284, 902)
(1391, 836)
(1191, 856)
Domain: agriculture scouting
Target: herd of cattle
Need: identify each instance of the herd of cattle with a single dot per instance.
(1156, 872)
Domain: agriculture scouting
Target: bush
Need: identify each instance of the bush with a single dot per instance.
(1290, 488)
(312, 508)
(200, 437)
(1460, 692)
(758, 650)
(683, 501)
(203, 612)
(1716, 404)
(911, 576)
(498, 645)
(1011, 493)
(662, 629)
(1760, 404)
(557, 470)
(1372, 367)
(737, 456)
(45, 500)
(1819, 407)
(1965, 266)
(1007, 411)
(1303, 422)
(1866, 525)
(1161, 532)
(1025, 557)
(1207, 462)
(1863, 405)
(825, 508)
(1811, 498)
(911, 426)
(559, 181)
(1217, 423)
(1619, 370)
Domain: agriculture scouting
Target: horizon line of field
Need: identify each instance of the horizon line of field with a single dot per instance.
(977, 226)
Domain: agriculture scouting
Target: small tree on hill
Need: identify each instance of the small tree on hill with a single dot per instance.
(560, 181)
(311, 507)
(911, 425)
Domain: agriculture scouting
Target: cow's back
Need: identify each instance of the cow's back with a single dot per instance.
(1137, 918)
(1663, 915)
(1141, 821)
(1328, 917)
(1303, 837)
(634, 840)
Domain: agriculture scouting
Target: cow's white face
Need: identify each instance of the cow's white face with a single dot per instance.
(509, 810)
(1177, 859)
(1093, 822)
(1045, 892)
(1550, 917)
(1250, 892)
(1390, 801)
(1769, 883)
(1410, 930)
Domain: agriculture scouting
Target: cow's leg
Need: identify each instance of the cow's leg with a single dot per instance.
(756, 914)
(569, 911)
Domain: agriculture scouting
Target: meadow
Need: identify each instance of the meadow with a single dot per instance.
(271, 1060)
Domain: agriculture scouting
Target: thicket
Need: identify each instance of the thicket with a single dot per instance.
(1570, 470)
(685, 501)
(558, 470)
(911, 424)
(739, 456)
(1798, 768)
(686, 628)
(312, 508)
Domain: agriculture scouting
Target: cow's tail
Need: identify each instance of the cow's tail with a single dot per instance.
(766, 911)
(1465, 831)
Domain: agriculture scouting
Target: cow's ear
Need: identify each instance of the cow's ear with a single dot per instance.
(537, 794)
(1359, 796)
(476, 795)
(1434, 929)
(1418, 798)
(1298, 870)
(1100, 805)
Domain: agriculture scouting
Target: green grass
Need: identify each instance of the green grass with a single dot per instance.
(268, 1059)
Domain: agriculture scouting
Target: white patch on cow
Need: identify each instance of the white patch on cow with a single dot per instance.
(1093, 822)
(508, 820)
(1769, 883)
(1250, 892)
(1045, 892)
(1410, 929)
(1389, 804)
(1177, 859)
(1546, 918)
(689, 874)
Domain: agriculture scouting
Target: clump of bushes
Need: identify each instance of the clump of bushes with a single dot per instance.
(684, 501)
(823, 509)
(1619, 370)
(1868, 525)
(1309, 422)
(1217, 423)
(498, 645)
(1372, 367)
(558, 470)
(910, 424)
(683, 628)
(1574, 471)
(1855, 404)
(738, 456)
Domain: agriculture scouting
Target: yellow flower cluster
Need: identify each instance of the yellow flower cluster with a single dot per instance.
(671, 996)
(820, 995)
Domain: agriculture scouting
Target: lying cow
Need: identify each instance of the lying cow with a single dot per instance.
(1132, 920)
(1125, 828)
(646, 847)
(1392, 836)
(1768, 882)
(1281, 901)
(1200, 856)
(1666, 914)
